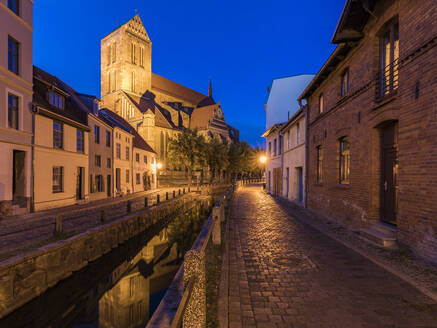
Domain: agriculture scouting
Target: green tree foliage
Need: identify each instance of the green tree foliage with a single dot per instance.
(187, 150)
(217, 157)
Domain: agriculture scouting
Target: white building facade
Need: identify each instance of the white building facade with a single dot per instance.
(294, 158)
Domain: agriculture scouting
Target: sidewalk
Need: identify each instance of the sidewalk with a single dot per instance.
(285, 273)
(32, 230)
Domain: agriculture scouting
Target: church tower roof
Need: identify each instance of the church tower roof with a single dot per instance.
(135, 26)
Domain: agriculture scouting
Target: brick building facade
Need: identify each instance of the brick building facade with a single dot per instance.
(373, 122)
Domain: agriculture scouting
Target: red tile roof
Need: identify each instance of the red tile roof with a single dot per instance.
(139, 142)
(176, 90)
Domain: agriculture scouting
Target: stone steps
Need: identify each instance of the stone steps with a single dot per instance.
(380, 234)
(17, 210)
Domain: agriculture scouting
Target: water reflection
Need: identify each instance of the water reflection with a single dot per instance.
(120, 289)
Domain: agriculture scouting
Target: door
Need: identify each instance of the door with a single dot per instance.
(18, 177)
(389, 171)
(79, 183)
(288, 182)
(300, 184)
(277, 179)
(269, 182)
(108, 185)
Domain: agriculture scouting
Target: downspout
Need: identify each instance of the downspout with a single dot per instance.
(307, 138)
(32, 165)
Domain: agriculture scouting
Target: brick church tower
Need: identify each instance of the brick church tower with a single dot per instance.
(126, 63)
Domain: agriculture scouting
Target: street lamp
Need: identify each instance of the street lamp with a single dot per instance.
(263, 159)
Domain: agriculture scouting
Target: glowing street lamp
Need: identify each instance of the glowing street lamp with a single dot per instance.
(159, 166)
(263, 159)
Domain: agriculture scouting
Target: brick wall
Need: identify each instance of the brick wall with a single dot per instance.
(359, 117)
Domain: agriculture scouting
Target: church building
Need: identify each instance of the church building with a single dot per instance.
(155, 106)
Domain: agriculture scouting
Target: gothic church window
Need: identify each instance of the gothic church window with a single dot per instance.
(114, 52)
(133, 82)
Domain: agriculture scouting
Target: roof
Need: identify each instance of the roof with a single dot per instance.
(135, 25)
(336, 57)
(202, 116)
(207, 101)
(117, 120)
(272, 129)
(176, 90)
(73, 109)
(349, 30)
(292, 119)
(352, 21)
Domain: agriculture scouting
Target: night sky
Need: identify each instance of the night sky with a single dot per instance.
(240, 45)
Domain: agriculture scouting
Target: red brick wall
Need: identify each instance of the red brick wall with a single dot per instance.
(357, 204)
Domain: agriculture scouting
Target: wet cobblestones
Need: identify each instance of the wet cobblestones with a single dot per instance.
(284, 273)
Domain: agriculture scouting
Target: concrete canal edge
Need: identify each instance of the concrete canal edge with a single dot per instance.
(28, 275)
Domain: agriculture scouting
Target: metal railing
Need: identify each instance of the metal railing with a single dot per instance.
(387, 80)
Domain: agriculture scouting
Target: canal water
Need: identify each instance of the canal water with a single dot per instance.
(122, 288)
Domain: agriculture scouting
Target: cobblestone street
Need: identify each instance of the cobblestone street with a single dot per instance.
(284, 273)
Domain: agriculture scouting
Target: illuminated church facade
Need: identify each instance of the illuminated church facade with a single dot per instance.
(156, 107)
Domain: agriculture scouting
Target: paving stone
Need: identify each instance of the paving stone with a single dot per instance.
(284, 273)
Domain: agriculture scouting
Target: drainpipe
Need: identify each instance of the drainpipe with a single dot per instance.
(32, 166)
(307, 138)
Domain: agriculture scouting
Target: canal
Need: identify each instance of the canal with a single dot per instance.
(123, 287)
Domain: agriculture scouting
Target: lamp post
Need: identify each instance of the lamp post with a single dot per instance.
(158, 167)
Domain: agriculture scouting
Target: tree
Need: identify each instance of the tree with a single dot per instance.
(240, 158)
(216, 156)
(187, 150)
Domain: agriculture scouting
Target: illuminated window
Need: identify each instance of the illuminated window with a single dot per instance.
(344, 160)
(389, 56)
(319, 164)
(321, 103)
(58, 179)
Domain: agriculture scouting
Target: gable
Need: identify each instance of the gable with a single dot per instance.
(136, 27)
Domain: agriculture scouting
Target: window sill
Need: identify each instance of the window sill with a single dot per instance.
(381, 100)
(342, 186)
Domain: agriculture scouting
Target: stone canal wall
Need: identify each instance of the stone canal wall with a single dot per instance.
(27, 276)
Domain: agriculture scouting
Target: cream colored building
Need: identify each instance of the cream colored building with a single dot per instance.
(100, 150)
(61, 145)
(293, 158)
(156, 107)
(16, 38)
(134, 159)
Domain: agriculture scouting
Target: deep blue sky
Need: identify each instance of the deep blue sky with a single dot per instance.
(241, 45)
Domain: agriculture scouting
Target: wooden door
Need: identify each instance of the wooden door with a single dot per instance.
(300, 183)
(389, 168)
(277, 179)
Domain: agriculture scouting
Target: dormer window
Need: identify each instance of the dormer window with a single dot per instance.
(345, 82)
(56, 100)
